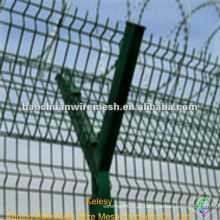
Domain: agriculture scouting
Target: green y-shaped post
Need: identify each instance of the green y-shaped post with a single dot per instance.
(99, 151)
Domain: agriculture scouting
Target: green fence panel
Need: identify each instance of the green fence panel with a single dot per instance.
(163, 160)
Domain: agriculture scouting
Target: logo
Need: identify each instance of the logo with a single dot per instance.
(203, 205)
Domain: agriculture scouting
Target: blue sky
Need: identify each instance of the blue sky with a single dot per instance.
(160, 17)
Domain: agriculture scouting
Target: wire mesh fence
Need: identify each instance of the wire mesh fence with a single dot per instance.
(161, 158)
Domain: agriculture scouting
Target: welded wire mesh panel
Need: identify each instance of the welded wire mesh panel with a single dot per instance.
(161, 157)
(40, 177)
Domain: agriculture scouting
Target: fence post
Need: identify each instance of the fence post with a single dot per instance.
(119, 92)
(99, 151)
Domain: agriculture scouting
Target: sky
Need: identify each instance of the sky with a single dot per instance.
(160, 17)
